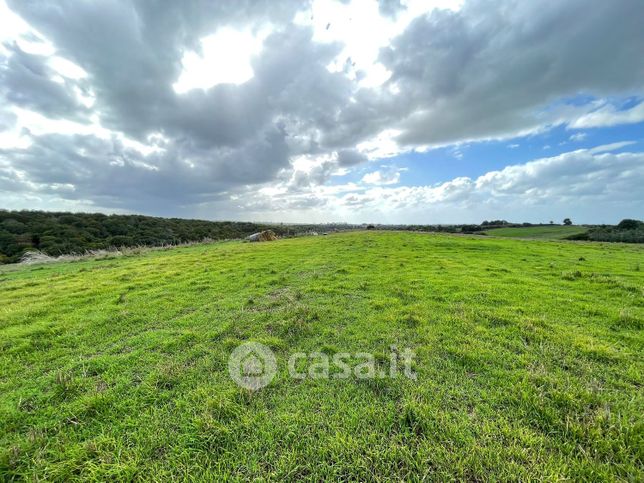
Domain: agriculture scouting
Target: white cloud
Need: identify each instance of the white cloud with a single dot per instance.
(225, 59)
(586, 184)
(362, 30)
(383, 145)
(381, 178)
(577, 137)
(605, 148)
(14, 29)
(66, 68)
(609, 115)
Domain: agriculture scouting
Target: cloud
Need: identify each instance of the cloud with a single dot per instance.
(214, 140)
(605, 148)
(609, 115)
(350, 157)
(90, 114)
(584, 184)
(493, 72)
(390, 8)
(115, 175)
(28, 81)
(580, 136)
(381, 178)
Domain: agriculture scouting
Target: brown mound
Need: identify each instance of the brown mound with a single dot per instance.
(267, 235)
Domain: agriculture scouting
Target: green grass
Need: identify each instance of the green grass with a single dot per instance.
(529, 362)
(539, 232)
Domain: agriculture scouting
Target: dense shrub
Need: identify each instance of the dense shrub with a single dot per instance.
(612, 235)
(630, 225)
(626, 231)
(471, 228)
(64, 233)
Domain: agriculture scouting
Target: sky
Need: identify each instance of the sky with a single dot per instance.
(390, 111)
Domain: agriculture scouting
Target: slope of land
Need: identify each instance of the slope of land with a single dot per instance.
(556, 232)
(528, 360)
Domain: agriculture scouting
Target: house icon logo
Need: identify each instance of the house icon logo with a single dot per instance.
(252, 365)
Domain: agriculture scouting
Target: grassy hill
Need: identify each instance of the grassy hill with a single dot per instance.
(528, 361)
(556, 232)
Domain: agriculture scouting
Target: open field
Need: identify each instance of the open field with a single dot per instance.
(556, 232)
(528, 359)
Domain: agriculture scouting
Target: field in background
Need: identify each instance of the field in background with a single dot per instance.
(529, 361)
(538, 232)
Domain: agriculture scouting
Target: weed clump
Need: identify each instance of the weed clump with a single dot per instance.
(574, 275)
(65, 386)
(627, 321)
(411, 319)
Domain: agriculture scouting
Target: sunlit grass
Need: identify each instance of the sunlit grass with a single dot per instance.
(529, 361)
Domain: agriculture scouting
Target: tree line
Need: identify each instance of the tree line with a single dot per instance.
(626, 231)
(56, 233)
(60, 233)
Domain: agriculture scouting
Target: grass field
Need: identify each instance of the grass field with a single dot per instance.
(529, 361)
(538, 232)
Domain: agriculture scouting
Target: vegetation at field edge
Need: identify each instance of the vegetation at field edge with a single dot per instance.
(548, 232)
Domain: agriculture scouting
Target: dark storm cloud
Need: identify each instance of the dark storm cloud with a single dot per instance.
(105, 170)
(350, 157)
(493, 70)
(133, 52)
(229, 135)
(26, 81)
(488, 69)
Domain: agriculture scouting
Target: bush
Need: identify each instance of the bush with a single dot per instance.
(57, 234)
(628, 224)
